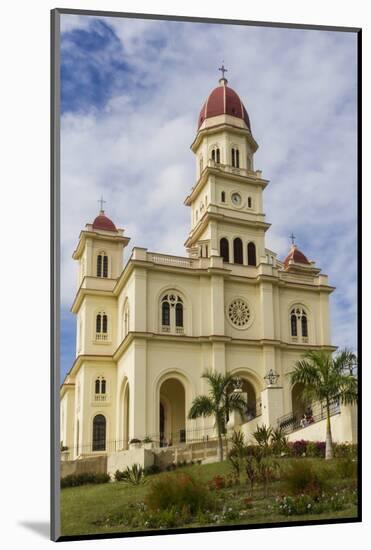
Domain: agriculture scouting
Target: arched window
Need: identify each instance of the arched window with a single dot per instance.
(251, 254)
(98, 324)
(222, 196)
(99, 433)
(166, 314)
(249, 202)
(102, 265)
(215, 154)
(99, 265)
(235, 158)
(237, 251)
(294, 325)
(105, 266)
(304, 326)
(172, 313)
(224, 249)
(101, 326)
(100, 386)
(299, 324)
(248, 163)
(179, 315)
(104, 324)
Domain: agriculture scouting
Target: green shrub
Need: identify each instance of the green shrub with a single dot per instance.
(302, 478)
(279, 441)
(119, 476)
(134, 475)
(262, 436)
(179, 492)
(151, 470)
(237, 453)
(346, 468)
(74, 480)
(307, 504)
(298, 505)
(345, 450)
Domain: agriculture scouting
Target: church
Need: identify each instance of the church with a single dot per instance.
(147, 329)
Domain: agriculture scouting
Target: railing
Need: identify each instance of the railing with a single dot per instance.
(167, 328)
(233, 169)
(315, 413)
(101, 336)
(158, 440)
(100, 397)
(165, 259)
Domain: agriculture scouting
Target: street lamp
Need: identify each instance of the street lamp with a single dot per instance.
(271, 377)
(237, 383)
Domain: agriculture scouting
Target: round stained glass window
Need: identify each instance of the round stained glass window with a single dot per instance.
(239, 313)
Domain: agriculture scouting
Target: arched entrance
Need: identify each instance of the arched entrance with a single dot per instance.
(251, 393)
(99, 433)
(172, 412)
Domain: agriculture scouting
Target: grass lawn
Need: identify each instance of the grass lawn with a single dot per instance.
(84, 509)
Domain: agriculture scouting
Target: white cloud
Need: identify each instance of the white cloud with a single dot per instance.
(299, 90)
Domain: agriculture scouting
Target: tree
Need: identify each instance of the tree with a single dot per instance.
(325, 378)
(220, 402)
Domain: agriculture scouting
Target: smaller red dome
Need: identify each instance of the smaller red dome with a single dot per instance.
(102, 222)
(296, 256)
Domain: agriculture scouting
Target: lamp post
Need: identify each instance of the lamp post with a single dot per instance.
(271, 377)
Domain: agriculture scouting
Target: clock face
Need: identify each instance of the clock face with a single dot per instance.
(236, 199)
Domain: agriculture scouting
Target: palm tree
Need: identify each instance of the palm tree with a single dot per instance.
(325, 378)
(219, 403)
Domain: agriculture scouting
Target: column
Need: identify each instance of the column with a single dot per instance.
(217, 305)
(272, 394)
(140, 300)
(138, 393)
(267, 311)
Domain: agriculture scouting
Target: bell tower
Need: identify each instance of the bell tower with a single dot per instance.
(100, 249)
(227, 217)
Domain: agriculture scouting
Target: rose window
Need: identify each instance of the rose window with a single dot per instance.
(239, 313)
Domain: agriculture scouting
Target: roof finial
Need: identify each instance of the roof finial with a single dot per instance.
(101, 202)
(223, 70)
(292, 237)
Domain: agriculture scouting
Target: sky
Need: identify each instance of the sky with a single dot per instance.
(131, 92)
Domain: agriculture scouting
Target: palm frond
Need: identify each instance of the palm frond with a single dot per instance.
(202, 406)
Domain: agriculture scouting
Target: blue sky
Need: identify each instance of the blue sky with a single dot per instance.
(131, 94)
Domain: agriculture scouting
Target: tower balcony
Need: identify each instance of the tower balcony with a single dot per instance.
(228, 168)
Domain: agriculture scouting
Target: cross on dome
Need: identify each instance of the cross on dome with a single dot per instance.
(223, 69)
(292, 237)
(101, 201)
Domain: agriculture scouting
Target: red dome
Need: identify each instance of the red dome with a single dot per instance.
(102, 222)
(223, 101)
(297, 256)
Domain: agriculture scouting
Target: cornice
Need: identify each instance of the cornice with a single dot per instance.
(217, 128)
(220, 173)
(84, 235)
